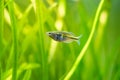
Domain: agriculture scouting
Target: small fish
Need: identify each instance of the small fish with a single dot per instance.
(63, 36)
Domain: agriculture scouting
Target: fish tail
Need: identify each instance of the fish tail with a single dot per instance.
(78, 41)
(80, 36)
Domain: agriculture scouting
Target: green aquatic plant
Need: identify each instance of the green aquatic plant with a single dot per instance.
(1, 33)
(15, 39)
(41, 32)
(81, 54)
(27, 53)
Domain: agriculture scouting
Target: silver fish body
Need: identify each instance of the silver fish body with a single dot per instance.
(63, 36)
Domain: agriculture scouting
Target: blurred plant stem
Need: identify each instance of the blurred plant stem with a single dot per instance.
(14, 32)
(39, 14)
(82, 53)
(1, 33)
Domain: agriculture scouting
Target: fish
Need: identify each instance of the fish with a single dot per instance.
(64, 36)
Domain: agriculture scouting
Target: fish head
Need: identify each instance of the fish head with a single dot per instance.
(55, 35)
(51, 34)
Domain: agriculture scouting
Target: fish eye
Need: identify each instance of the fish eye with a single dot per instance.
(49, 33)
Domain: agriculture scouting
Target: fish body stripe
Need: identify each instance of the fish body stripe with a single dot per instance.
(75, 38)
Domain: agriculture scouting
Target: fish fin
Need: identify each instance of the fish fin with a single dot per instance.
(68, 41)
(78, 42)
(80, 36)
(67, 33)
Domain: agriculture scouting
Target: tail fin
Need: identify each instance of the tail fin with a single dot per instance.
(80, 36)
(78, 41)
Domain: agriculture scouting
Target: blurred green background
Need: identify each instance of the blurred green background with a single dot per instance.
(41, 58)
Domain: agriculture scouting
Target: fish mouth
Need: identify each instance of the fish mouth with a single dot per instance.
(47, 33)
